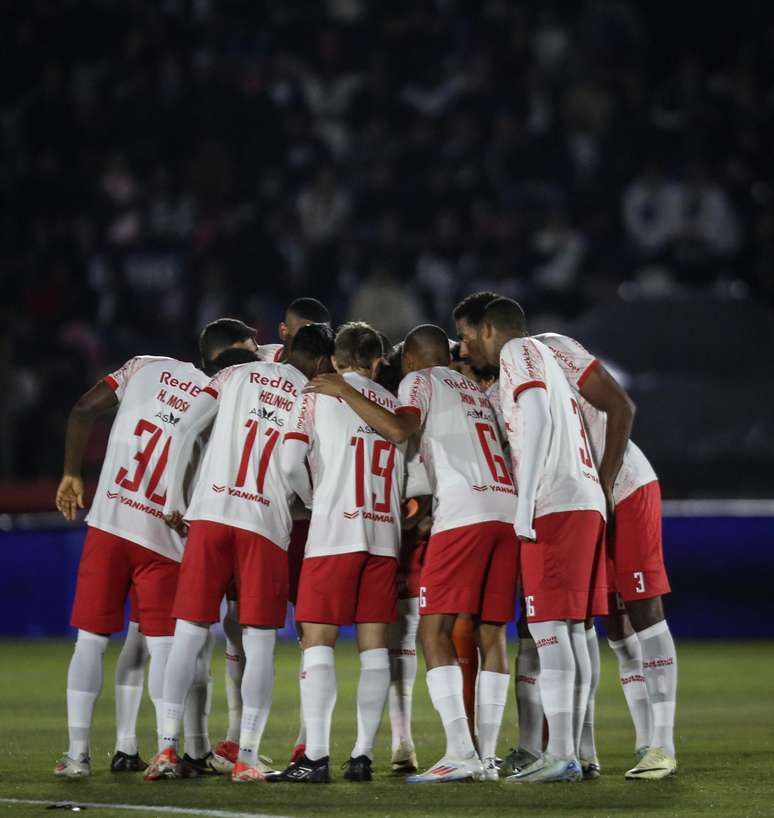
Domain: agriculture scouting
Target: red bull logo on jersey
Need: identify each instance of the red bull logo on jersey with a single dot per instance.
(381, 400)
(274, 383)
(462, 383)
(184, 386)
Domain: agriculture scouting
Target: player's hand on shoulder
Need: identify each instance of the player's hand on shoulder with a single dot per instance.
(69, 496)
(525, 532)
(176, 523)
(333, 385)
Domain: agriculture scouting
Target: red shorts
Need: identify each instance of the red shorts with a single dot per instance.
(473, 569)
(110, 568)
(214, 553)
(298, 535)
(346, 589)
(635, 566)
(563, 573)
(410, 561)
(134, 613)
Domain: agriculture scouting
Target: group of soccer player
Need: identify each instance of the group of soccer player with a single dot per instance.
(426, 490)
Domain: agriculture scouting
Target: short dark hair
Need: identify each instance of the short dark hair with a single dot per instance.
(232, 357)
(391, 371)
(220, 335)
(428, 340)
(313, 341)
(455, 350)
(473, 307)
(506, 315)
(358, 345)
(310, 309)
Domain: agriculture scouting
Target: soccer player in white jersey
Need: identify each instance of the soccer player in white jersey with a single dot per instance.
(560, 522)
(127, 546)
(646, 656)
(471, 565)
(350, 564)
(239, 525)
(299, 313)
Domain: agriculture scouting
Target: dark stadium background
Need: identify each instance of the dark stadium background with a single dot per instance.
(608, 164)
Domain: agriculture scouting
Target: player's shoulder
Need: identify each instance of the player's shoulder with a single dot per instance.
(270, 353)
(374, 391)
(559, 343)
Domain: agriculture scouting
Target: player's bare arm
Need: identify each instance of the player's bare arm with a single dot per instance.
(97, 401)
(394, 427)
(604, 392)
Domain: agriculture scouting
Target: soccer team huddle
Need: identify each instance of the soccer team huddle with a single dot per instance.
(426, 492)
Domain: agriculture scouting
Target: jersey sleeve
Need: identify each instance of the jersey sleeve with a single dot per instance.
(301, 422)
(119, 380)
(215, 386)
(414, 394)
(523, 366)
(576, 362)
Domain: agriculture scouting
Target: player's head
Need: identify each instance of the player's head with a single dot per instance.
(426, 345)
(222, 334)
(311, 349)
(468, 320)
(233, 356)
(300, 313)
(460, 364)
(358, 348)
(504, 319)
(391, 371)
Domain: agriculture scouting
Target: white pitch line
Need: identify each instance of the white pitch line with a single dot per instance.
(210, 813)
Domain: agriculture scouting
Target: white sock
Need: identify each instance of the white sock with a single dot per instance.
(130, 677)
(159, 648)
(235, 668)
(659, 663)
(557, 683)
(528, 697)
(318, 698)
(629, 655)
(301, 737)
(580, 650)
(445, 686)
(84, 683)
(196, 716)
(371, 696)
(187, 645)
(588, 745)
(257, 688)
(402, 644)
(490, 706)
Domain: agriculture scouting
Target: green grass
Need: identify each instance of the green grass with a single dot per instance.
(725, 738)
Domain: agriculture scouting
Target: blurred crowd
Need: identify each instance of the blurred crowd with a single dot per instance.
(166, 162)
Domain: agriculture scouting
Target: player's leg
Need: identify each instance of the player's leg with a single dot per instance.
(129, 681)
(197, 749)
(262, 572)
(402, 645)
(296, 548)
(466, 649)
(580, 650)
(587, 753)
(224, 754)
(98, 610)
(207, 567)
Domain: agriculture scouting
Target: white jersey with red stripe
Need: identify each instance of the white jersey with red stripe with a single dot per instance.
(357, 475)
(271, 353)
(153, 393)
(240, 482)
(460, 448)
(569, 477)
(577, 363)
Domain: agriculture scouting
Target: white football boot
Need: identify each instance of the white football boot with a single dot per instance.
(548, 769)
(450, 769)
(68, 767)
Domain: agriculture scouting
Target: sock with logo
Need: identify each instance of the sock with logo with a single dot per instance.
(257, 689)
(84, 683)
(557, 683)
(402, 643)
(629, 655)
(130, 678)
(445, 686)
(588, 746)
(659, 663)
(318, 698)
(528, 697)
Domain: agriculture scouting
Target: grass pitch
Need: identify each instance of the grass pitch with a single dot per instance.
(725, 738)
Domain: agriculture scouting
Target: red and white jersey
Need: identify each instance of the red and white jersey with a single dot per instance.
(576, 362)
(357, 475)
(153, 393)
(271, 353)
(493, 393)
(569, 478)
(460, 448)
(240, 482)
